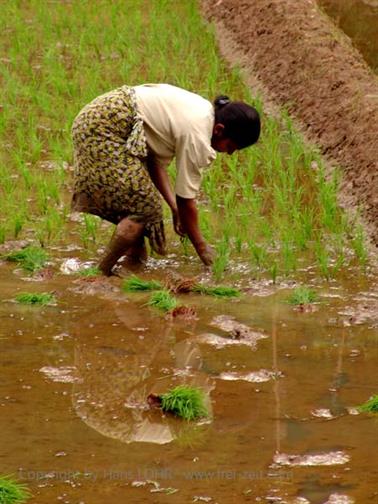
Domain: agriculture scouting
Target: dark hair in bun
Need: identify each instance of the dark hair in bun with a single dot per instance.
(221, 101)
(241, 121)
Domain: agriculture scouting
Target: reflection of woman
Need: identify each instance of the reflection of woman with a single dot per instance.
(123, 143)
(114, 382)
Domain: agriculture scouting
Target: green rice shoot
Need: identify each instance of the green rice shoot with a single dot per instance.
(34, 298)
(30, 258)
(185, 402)
(136, 284)
(370, 406)
(219, 291)
(91, 271)
(12, 492)
(162, 300)
(302, 295)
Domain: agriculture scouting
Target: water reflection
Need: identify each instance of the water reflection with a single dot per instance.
(116, 372)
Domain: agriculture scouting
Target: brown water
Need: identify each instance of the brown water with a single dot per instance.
(75, 377)
(359, 20)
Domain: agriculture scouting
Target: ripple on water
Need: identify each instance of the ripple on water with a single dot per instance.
(339, 499)
(238, 333)
(60, 374)
(317, 459)
(322, 413)
(263, 375)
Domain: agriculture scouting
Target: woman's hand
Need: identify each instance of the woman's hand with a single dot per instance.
(188, 217)
(177, 223)
(206, 253)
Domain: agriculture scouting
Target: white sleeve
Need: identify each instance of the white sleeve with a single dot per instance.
(193, 152)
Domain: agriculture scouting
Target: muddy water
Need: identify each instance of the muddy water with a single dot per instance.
(74, 424)
(359, 20)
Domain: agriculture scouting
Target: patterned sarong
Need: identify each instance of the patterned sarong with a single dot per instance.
(111, 179)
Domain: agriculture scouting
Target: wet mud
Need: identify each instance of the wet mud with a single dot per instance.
(305, 63)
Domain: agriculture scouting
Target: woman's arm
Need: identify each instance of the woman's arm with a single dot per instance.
(160, 178)
(188, 215)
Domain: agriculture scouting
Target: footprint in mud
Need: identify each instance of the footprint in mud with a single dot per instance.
(237, 333)
(95, 286)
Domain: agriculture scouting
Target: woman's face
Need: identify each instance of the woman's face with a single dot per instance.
(221, 143)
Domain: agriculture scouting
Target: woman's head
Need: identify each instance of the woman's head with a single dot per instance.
(236, 125)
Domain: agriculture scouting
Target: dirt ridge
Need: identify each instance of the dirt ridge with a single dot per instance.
(308, 65)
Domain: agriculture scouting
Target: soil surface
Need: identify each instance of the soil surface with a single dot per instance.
(308, 65)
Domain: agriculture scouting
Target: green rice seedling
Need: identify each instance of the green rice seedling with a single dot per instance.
(90, 271)
(221, 259)
(34, 298)
(219, 291)
(91, 225)
(135, 284)
(162, 300)
(274, 272)
(13, 492)
(258, 254)
(18, 223)
(2, 234)
(185, 402)
(322, 258)
(288, 256)
(302, 295)
(358, 244)
(370, 406)
(30, 258)
(185, 243)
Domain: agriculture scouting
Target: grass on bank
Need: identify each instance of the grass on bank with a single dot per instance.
(271, 205)
(13, 492)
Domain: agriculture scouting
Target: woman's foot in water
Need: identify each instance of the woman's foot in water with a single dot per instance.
(126, 236)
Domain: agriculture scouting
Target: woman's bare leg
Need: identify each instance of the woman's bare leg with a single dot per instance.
(127, 234)
(137, 254)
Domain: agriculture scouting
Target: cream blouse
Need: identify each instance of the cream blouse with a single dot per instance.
(178, 123)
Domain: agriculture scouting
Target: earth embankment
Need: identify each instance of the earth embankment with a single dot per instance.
(308, 65)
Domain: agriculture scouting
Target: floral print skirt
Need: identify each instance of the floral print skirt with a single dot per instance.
(111, 179)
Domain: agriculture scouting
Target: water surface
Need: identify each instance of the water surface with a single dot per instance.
(359, 20)
(74, 423)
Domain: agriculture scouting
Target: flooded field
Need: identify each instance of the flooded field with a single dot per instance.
(282, 382)
(76, 428)
(359, 20)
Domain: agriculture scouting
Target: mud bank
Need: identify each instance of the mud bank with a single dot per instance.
(309, 66)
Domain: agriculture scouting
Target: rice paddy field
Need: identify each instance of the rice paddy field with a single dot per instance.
(280, 336)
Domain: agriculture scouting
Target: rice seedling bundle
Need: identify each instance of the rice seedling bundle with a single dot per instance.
(302, 295)
(30, 258)
(135, 284)
(34, 298)
(370, 406)
(12, 492)
(185, 402)
(162, 300)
